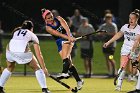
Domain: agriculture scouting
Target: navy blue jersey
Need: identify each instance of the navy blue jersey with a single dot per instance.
(58, 28)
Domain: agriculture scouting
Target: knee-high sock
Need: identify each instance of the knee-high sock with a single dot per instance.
(138, 83)
(66, 64)
(121, 77)
(4, 77)
(74, 73)
(41, 78)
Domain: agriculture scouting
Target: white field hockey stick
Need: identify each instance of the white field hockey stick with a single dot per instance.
(84, 36)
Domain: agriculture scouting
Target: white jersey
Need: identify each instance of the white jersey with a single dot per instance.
(129, 38)
(21, 39)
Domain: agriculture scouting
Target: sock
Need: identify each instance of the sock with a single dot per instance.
(41, 78)
(121, 77)
(74, 73)
(137, 74)
(4, 77)
(66, 64)
(138, 83)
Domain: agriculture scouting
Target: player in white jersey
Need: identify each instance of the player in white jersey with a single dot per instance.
(18, 51)
(129, 31)
(135, 56)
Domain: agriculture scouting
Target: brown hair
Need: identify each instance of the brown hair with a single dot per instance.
(15, 29)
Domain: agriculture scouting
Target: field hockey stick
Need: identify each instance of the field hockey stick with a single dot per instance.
(117, 76)
(84, 36)
(64, 84)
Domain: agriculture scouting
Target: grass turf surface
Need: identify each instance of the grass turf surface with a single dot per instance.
(54, 62)
(29, 84)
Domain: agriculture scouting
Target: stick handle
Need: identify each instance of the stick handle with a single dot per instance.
(65, 42)
(104, 31)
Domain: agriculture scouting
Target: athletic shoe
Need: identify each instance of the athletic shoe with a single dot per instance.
(118, 88)
(45, 90)
(132, 78)
(134, 91)
(1, 90)
(63, 76)
(80, 84)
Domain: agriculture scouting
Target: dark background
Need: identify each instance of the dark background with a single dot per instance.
(31, 8)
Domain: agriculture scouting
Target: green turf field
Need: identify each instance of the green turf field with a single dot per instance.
(54, 63)
(29, 84)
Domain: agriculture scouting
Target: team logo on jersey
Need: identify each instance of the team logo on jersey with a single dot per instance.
(130, 35)
(60, 29)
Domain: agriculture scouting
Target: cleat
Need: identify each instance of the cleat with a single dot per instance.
(134, 91)
(1, 90)
(118, 88)
(45, 90)
(63, 76)
(80, 84)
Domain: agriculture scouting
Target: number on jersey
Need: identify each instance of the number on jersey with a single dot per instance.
(22, 32)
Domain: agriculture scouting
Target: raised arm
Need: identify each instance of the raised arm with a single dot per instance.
(114, 38)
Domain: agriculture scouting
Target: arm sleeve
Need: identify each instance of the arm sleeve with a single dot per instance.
(116, 28)
(100, 27)
(34, 38)
(91, 31)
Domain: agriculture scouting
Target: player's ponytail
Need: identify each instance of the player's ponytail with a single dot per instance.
(137, 13)
(43, 10)
(15, 29)
(27, 25)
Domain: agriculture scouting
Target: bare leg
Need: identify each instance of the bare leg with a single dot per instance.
(107, 63)
(90, 66)
(86, 65)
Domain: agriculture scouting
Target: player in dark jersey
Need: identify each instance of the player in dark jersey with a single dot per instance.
(59, 29)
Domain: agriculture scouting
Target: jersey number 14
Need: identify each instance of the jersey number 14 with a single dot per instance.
(22, 33)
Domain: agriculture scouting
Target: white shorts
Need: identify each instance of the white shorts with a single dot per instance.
(20, 58)
(125, 50)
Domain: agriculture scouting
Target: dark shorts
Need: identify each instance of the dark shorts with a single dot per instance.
(59, 44)
(86, 53)
(109, 50)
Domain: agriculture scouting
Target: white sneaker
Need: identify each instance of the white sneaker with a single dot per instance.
(63, 75)
(118, 88)
(134, 78)
(80, 84)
